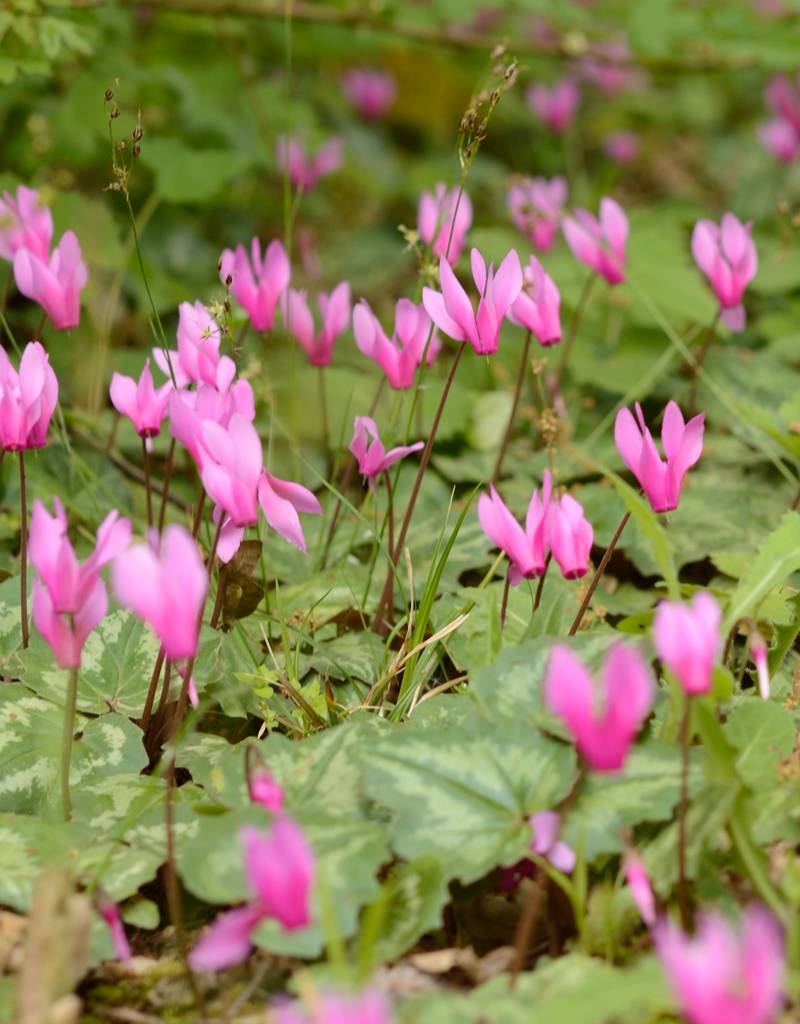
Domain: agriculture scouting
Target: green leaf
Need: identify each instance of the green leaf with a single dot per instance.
(187, 175)
(777, 558)
(763, 734)
(652, 529)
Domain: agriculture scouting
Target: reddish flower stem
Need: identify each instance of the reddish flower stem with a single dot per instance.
(23, 550)
(498, 466)
(165, 486)
(587, 597)
(147, 487)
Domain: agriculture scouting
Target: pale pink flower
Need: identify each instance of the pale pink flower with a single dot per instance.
(758, 649)
(443, 220)
(257, 283)
(372, 93)
(24, 224)
(306, 170)
(27, 399)
(535, 205)
(231, 462)
(55, 283)
(165, 585)
(143, 404)
(400, 357)
(640, 889)
(687, 641)
(723, 975)
(526, 548)
(368, 450)
(660, 480)
(367, 1007)
(453, 313)
(780, 138)
(335, 312)
(782, 96)
(555, 105)
(545, 827)
(599, 244)
(280, 501)
(621, 147)
(727, 256)
(199, 339)
(603, 725)
(537, 307)
(280, 869)
(570, 536)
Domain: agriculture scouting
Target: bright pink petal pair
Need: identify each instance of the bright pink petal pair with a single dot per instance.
(400, 357)
(688, 642)
(257, 283)
(599, 243)
(140, 401)
(367, 1007)
(545, 827)
(604, 725)
(452, 311)
(304, 169)
(368, 449)
(535, 205)
(537, 307)
(27, 399)
(660, 479)
(370, 92)
(299, 322)
(727, 256)
(443, 220)
(24, 224)
(556, 105)
(55, 282)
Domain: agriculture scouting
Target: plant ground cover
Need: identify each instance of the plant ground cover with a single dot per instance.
(297, 721)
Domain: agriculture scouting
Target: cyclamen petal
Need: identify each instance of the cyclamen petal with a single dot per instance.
(687, 641)
(257, 284)
(727, 257)
(368, 450)
(27, 399)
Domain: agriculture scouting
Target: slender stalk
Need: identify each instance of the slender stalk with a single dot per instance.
(524, 932)
(574, 324)
(323, 407)
(147, 711)
(697, 363)
(683, 889)
(147, 488)
(165, 486)
(504, 605)
(23, 550)
(390, 521)
(162, 700)
(40, 326)
(199, 503)
(587, 597)
(221, 580)
(538, 599)
(498, 466)
(412, 501)
(66, 740)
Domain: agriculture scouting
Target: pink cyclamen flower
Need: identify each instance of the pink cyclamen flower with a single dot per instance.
(570, 536)
(535, 205)
(545, 827)
(640, 889)
(280, 869)
(604, 729)
(264, 790)
(727, 256)
(69, 599)
(782, 96)
(372, 93)
(724, 975)
(335, 312)
(599, 244)
(143, 404)
(526, 548)
(230, 466)
(556, 106)
(372, 457)
(24, 224)
(110, 913)
(257, 283)
(27, 399)
(165, 586)
(758, 649)
(687, 641)
(400, 357)
(443, 220)
(537, 307)
(280, 501)
(199, 339)
(55, 283)
(780, 138)
(660, 480)
(621, 147)
(452, 311)
(303, 169)
(368, 1007)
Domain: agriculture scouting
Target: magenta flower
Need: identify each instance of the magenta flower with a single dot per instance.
(570, 536)
(371, 93)
(280, 868)
(304, 170)
(55, 283)
(189, 409)
(143, 404)
(400, 357)
(621, 147)
(110, 913)
(555, 106)
(724, 975)
(165, 586)
(69, 599)
(452, 311)
(782, 96)
(599, 244)
(780, 138)
(545, 827)
(758, 649)
(335, 312)
(368, 1007)
(435, 221)
(603, 729)
(258, 285)
(537, 307)
(230, 467)
(687, 641)
(781, 135)
(535, 206)
(526, 548)
(198, 348)
(264, 790)
(727, 256)
(280, 502)
(640, 889)
(24, 224)
(660, 480)
(372, 457)
(27, 399)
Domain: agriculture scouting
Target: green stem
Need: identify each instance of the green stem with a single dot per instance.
(574, 324)
(66, 743)
(23, 550)
(683, 889)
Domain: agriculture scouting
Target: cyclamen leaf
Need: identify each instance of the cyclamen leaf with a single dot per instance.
(777, 558)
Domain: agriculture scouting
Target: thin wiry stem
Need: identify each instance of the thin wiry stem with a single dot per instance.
(498, 466)
(147, 489)
(587, 597)
(683, 890)
(23, 550)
